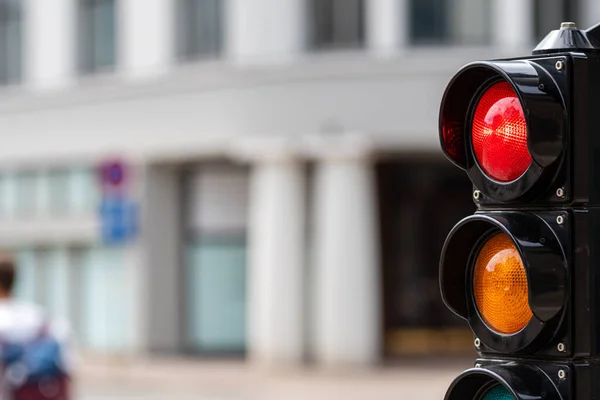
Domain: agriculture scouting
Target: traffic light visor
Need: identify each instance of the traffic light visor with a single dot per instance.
(499, 133)
(500, 286)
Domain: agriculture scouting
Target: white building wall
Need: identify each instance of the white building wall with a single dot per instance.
(201, 112)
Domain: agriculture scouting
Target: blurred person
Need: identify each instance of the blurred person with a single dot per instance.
(35, 363)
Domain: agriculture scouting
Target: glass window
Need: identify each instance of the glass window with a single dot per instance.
(10, 41)
(58, 192)
(198, 28)
(106, 311)
(216, 210)
(450, 21)
(216, 278)
(26, 285)
(413, 232)
(337, 23)
(550, 13)
(97, 31)
(84, 191)
(5, 193)
(53, 269)
(27, 193)
(9, 194)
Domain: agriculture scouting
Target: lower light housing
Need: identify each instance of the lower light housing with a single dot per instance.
(505, 381)
(539, 245)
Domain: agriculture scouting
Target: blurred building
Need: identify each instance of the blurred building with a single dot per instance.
(283, 155)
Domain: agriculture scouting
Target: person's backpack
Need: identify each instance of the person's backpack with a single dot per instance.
(32, 361)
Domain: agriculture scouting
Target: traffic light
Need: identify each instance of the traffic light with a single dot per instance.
(523, 271)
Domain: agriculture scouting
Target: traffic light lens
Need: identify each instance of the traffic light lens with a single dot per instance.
(498, 393)
(499, 134)
(500, 286)
(452, 132)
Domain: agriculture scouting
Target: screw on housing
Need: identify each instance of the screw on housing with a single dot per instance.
(562, 374)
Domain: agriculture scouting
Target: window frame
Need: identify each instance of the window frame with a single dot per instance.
(189, 45)
(11, 73)
(87, 46)
(325, 30)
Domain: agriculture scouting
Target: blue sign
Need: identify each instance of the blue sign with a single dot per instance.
(119, 219)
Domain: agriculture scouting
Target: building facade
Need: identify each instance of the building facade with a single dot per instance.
(283, 154)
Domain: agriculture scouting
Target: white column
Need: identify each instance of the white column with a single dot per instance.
(590, 14)
(49, 58)
(346, 270)
(276, 262)
(512, 25)
(265, 30)
(387, 25)
(146, 39)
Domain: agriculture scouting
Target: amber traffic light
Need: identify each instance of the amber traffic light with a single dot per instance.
(500, 286)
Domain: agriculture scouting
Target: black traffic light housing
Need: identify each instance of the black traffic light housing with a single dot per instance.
(540, 86)
(551, 213)
(541, 243)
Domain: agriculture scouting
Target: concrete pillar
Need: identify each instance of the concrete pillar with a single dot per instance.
(387, 25)
(146, 40)
(512, 26)
(276, 262)
(346, 270)
(49, 58)
(159, 264)
(250, 27)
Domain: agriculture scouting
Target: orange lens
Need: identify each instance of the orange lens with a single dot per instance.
(500, 286)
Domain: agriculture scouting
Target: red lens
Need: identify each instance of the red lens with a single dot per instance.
(499, 134)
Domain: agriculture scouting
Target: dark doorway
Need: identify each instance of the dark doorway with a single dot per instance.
(420, 201)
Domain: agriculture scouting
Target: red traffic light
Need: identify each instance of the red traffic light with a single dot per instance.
(504, 123)
(499, 134)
